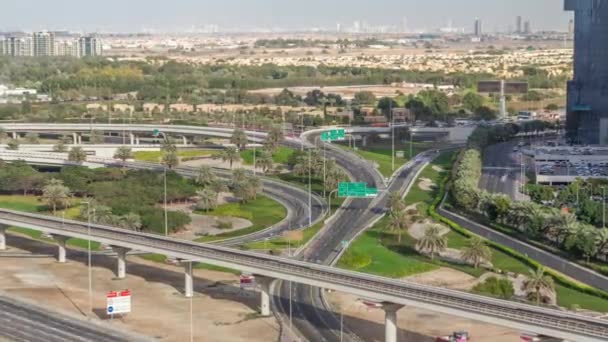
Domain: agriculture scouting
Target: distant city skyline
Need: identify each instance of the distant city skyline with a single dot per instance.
(185, 15)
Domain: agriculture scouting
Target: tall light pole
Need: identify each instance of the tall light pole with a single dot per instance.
(329, 200)
(310, 187)
(604, 207)
(165, 188)
(390, 109)
(254, 164)
(89, 256)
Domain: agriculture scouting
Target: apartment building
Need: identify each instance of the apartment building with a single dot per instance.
(44, 44)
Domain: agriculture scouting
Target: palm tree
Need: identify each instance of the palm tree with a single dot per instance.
(131, 221)
(476, 251)
(170, 159)
(398, 223)
(123, 153)
(395, 203)
(207, 199)
(168, 145)
(239, 138)
(59, 147)
(229, 154)
(433, 241)
(56, 194)
(538, 283)
(205, 176)
(265, 161)
(567, 225)
(333, 175)
(274, 137)
(77, 155)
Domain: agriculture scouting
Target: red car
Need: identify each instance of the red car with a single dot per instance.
(461, 336)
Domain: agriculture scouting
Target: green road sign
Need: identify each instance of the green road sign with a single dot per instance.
(156, 132)
(333, 135)
(356, 190)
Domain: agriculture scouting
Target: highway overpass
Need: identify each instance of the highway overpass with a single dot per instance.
(392, 292)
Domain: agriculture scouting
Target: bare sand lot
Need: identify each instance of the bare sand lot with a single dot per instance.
(222, 311)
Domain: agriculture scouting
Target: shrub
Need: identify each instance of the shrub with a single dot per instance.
(224, 225)
(355, 260)
(495, 287)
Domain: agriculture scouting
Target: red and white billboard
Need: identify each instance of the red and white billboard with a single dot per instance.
(118, 302)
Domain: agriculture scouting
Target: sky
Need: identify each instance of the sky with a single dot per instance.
(179, 15)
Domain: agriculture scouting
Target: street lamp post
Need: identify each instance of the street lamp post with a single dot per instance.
(165, 189)
(329, 200)
(89, 255)
(310, 187)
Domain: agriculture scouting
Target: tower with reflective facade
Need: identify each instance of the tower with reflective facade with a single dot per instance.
(587, 112)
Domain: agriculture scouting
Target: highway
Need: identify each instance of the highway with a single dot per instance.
(502, 173)
(509, 314)
(23, 322)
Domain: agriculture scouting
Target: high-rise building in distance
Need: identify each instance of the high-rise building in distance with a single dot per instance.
(43, 44)
(518, 24)
(477, 30)
(527, 27)
(587, 109)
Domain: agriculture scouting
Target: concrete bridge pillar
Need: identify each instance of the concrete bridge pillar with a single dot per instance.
(121, 253)
(61, 253)
(132, 138)
(3, 229)
(136, 140)
(75, 138)
(264, 284)
(188, 279)
(390, 321)
(185, 140)
(15, 135)
(364, 143)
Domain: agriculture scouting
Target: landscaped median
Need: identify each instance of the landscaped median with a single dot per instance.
(263, 212)
(378, 250)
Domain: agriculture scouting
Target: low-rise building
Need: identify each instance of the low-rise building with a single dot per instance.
(152, 107)
(124, 108)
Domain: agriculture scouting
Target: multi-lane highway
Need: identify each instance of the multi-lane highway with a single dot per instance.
(23, 322)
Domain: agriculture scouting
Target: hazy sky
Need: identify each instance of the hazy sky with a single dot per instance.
(138, 15)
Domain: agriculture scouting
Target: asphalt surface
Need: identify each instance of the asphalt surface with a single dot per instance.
(21, 321)
(501, 181)
(310, 315)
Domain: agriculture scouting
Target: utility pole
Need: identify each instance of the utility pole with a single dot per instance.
(604, 207)
(390, 109)
(310, 187)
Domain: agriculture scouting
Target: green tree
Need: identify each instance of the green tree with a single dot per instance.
(230, 154)
(365, 98)
(274, 137)
(12, 145)
(538, 283)
(205, 176)
(55, 194)
(476, 251)
(239, 138)
(433, 241)
(395, 203)
(398, 222)
(123, 153)
(207, 199)
(265, 161)
(472, 101)
(60, 147)
(170, 159)
(77, 155)
(131, 221)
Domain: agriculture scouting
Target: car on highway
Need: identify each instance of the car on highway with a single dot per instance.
(459, 336)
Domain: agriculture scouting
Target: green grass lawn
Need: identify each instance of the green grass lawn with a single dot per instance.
(316, 185)
(155, 156)
(383, 158)
(32, 204)
(263, 212)
(417, 195)
(281, 243)
(280, 156)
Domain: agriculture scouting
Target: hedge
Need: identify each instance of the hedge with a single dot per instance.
(558, 277)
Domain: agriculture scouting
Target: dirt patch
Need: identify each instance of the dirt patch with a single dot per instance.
(445, 277)
(438, 168)
(414, 324)
(426, 184)
(418, 229)
(222, 311)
